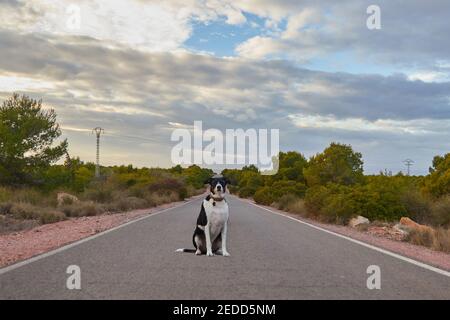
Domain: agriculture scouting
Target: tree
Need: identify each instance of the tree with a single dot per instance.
(337, 164)
(197, 176)
(292, 164)
(437, 183)
(27, 133)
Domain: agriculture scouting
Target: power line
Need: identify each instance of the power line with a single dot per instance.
(408, 163)
(98, 131)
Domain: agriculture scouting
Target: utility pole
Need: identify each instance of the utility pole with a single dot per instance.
(408, 163)
(98, 131)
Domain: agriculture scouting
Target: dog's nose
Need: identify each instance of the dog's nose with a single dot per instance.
(219, 188)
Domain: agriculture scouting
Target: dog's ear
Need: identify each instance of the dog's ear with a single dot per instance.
(207, 181)
(227, 180)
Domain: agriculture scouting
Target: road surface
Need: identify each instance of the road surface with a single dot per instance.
(272, 257)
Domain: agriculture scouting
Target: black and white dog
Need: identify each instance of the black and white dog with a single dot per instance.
(210, 235)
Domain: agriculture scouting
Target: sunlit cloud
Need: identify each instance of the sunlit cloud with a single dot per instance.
(413, 127)
(17, 83)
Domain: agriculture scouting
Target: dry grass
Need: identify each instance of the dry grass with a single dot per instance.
(83, 209)
(27, 211)
(292, 204)
(438, 239)
(363, 227)
(9, 224)
(156, 199)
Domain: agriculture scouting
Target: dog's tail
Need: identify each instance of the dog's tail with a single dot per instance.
(185, 250)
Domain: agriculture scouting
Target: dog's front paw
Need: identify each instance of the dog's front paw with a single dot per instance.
(210, 254)
(226, 254)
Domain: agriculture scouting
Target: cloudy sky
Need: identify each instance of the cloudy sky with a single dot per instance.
(142, 68)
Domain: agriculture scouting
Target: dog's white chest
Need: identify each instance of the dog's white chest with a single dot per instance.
(217, 215)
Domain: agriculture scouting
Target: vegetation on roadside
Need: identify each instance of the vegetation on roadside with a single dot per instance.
(30, 179)
(331, 187)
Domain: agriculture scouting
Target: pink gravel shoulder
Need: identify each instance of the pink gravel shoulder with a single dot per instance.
(435, 258)
(22, 245)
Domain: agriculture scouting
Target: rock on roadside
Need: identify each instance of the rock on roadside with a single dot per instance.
(408, 225)
(63, 198)
(359, 220)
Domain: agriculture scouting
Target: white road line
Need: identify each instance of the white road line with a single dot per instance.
(389, 253)
(76, 243)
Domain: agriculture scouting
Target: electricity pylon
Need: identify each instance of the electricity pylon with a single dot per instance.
(98, 131)
(408, 163)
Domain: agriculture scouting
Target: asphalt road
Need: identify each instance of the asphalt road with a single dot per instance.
(272, 257)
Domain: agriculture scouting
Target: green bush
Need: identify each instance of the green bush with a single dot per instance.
(286, 201)
(270, 194)
(339, 203)
(417, 205)
(247, 192)
(440, 212)
(315, 198)
(264, 196)
(99, 192)
(282, 187)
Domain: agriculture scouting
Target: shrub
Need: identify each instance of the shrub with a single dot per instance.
(435, 239)
(126, 203)
(99, 193)
(442, 240)
(293, 204)
(417, 205)
(28, 195)
(5, 194)
(246, 192)
(51, 216)
(234, 189)
(315, 198)
(26, 211)
(269, 194)
(338, 202)
(249, 183)
(8, 224)
(5, 208)
(286, 201)
(264, 196)
(155, 199)
(440, 212)
(339, 208)
(82, 209)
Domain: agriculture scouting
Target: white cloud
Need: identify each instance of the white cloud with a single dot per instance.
(414, 127)
(149, 26)
(18, 83)
(430, 76)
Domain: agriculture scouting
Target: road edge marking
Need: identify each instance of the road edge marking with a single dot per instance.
(83, 240)
(364, 244)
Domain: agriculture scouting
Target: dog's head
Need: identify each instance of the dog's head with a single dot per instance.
(218, 185)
